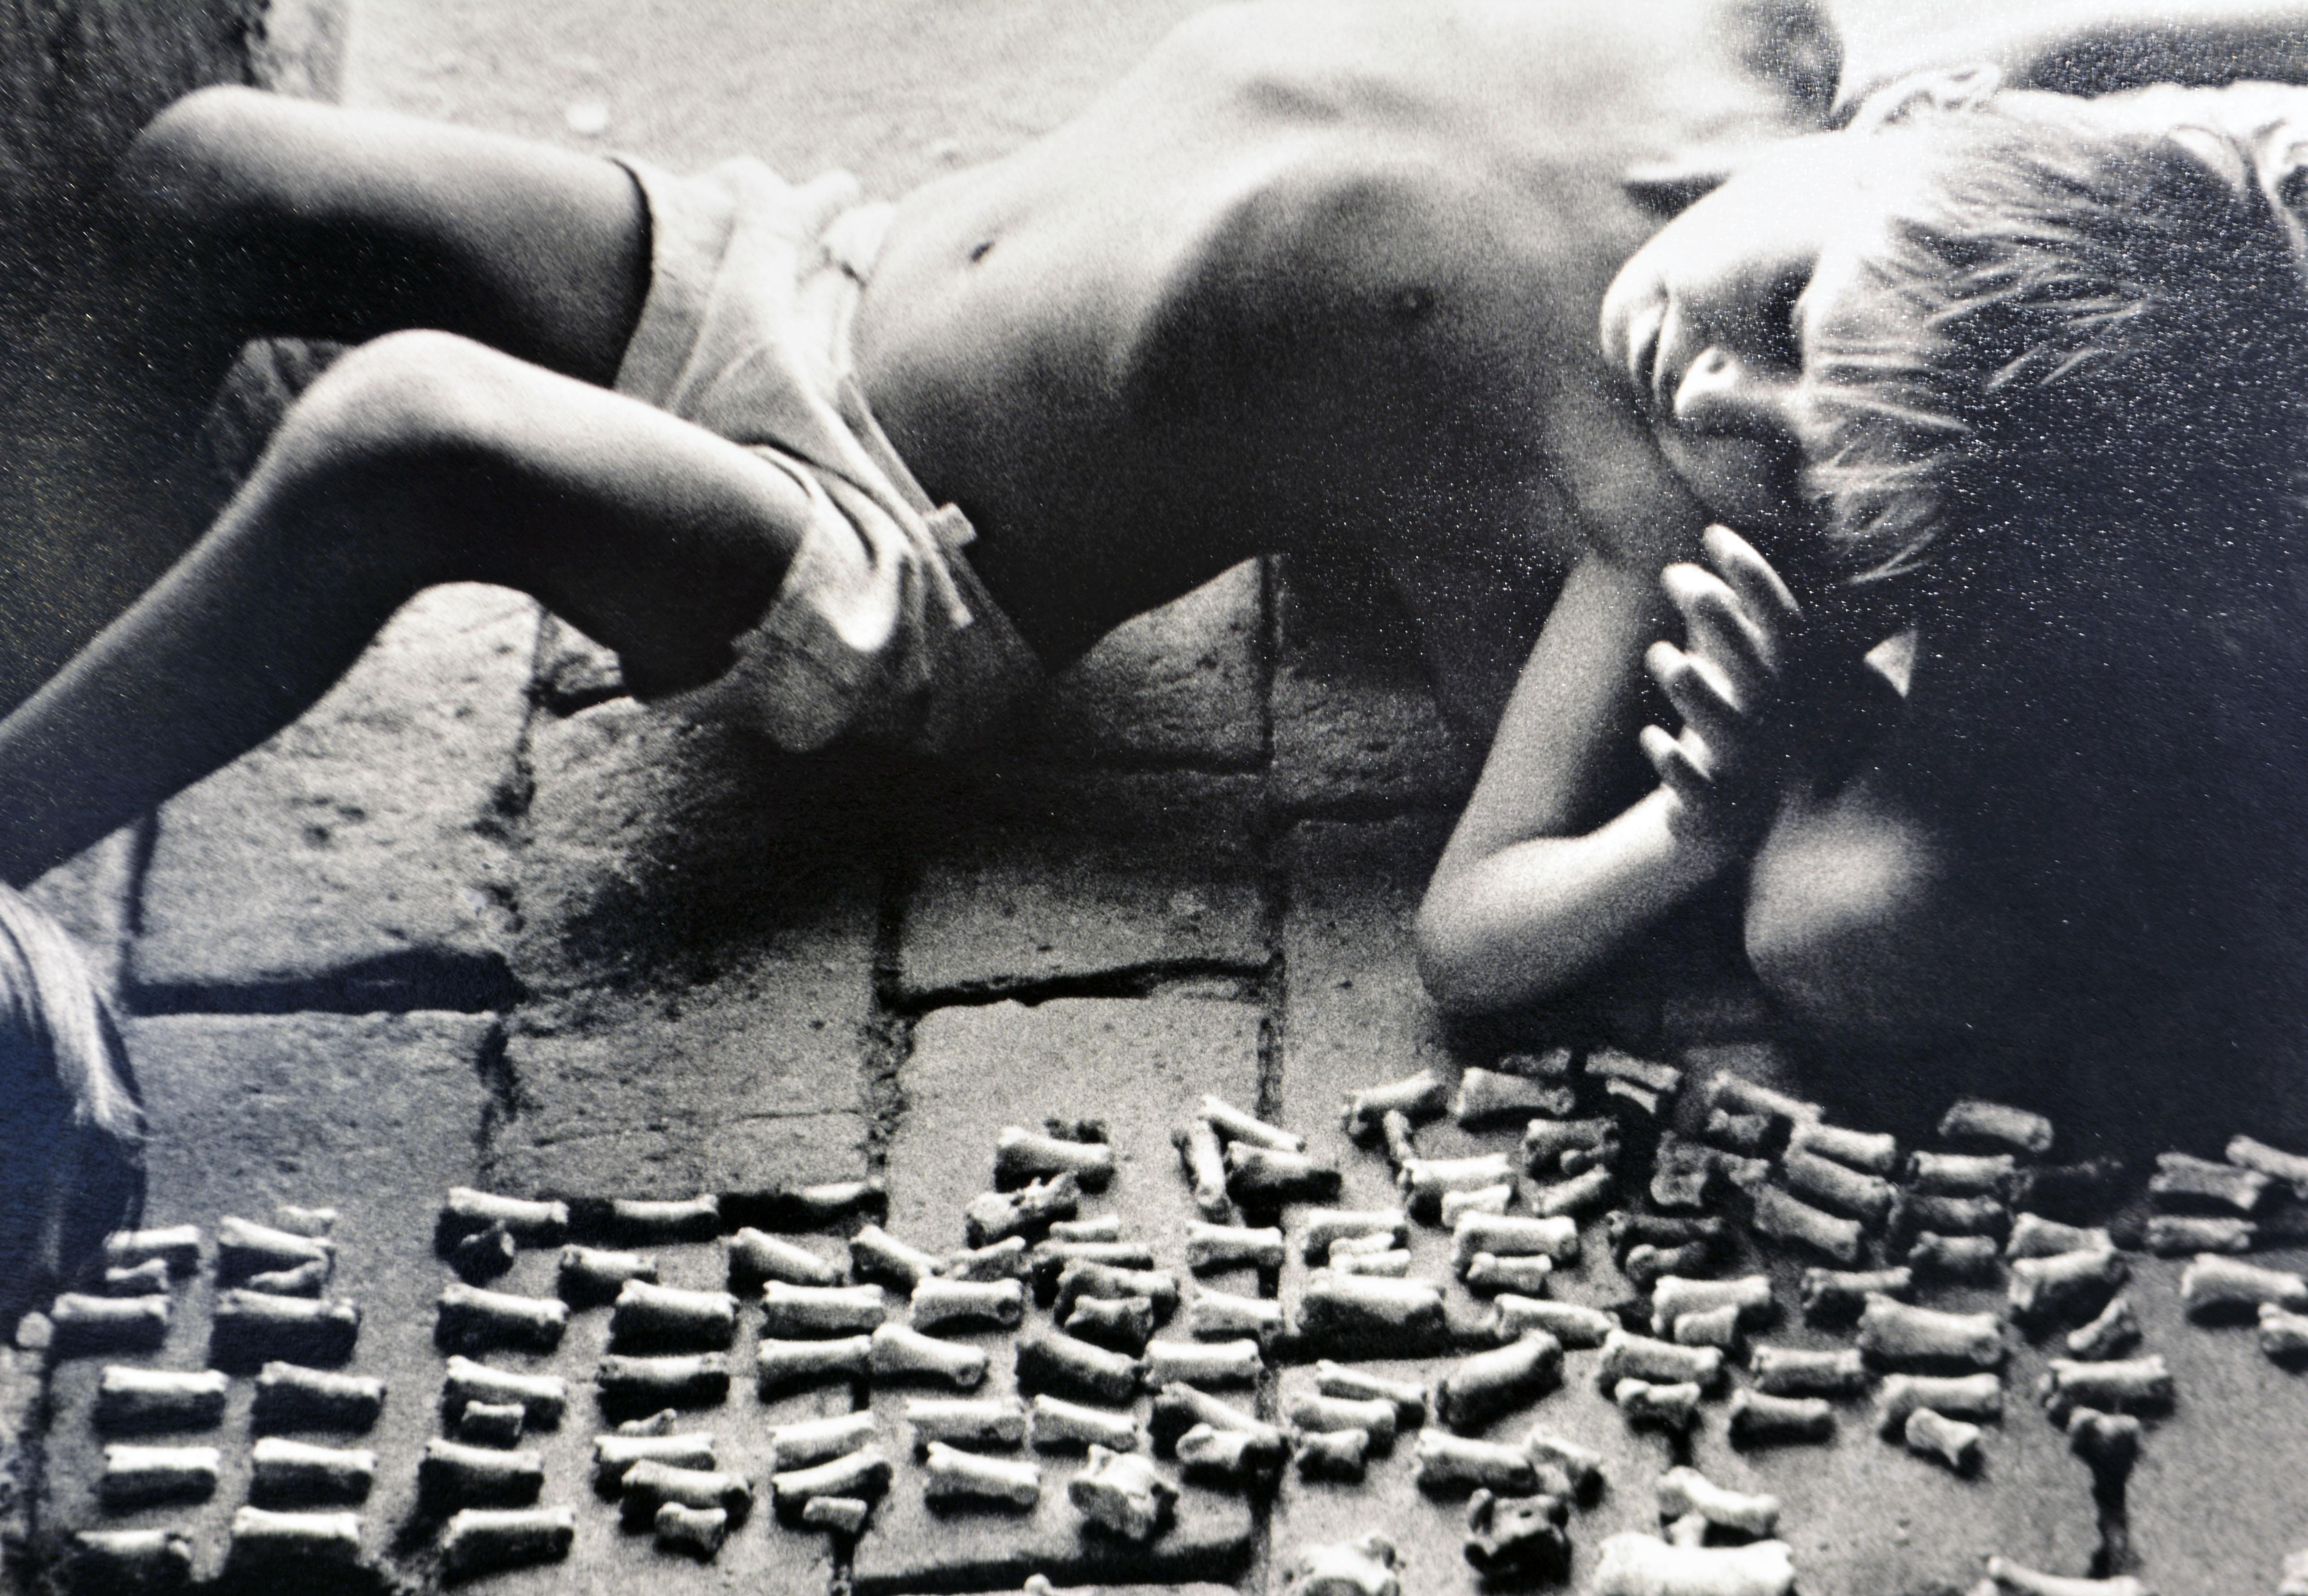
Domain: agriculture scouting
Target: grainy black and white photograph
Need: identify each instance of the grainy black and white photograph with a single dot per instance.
(1141, 798)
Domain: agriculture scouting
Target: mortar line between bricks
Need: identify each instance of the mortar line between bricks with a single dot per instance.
(1124, 980)
(1266, 653)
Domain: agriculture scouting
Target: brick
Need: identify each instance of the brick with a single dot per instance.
(374, 1115)
(1356, 723)
(2213, 1504)
(359, 859)
(1056, 876)
(1180, 683)
(1141, 1063)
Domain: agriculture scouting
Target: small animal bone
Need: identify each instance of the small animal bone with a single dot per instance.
(471, 1319)
(1684, 1173)
(1262, 1177)
(2007, 1578)
(1740, 1095)
(1203, 1363)
(808, 1441)
(1340, 1455)
(1962, 1174)
(1674, 1296)
(664, 1421)
(1401, 1142)
(1517, 1541)
(2078, 1193)
(1916, 1211)
(1831, 1185)
(2118, 1385)
(1717, 1327)
(2068, 1287)
(1672, 1407)
(1748, 1135)
(1758, 1418)
(2111, 1335)
(1479, 1388)
(250, 1328)
(1062, 1364)
(1960, 1396)
(1449, 1466)
(951, 1474)
(452, 1473)
(306, 1280)
(1682, 1491)
(140, 1476)
(2183, 1181)
(1486, 1097)
(1393, 1266)
(615, 1456)
(1223, 1314)
(532, 1225)
(1204, 1158)
(1029, 1211)
(131, 1401)
(1546, 1141)
(1628, 1230)
(1954, 1443)
(697, 1530)
(980, 1423)
(656, 1316)
(1020, 1155)
(147, 1279)
(477, 1260)
(131, 1560)
(306, 1539)
(678, 1219)
(1059, 1426)
(1793, 1371)
(1122, 1493)
(245, 1247)
(1503, 1236)
(1490, 1199)
(2212, 1284)
(1424, 1180)
(1098, 1227)
(1325, 1228)
(1337, 1312)
(1236, 1126)
(844, 1516)
(781, 1365)
(1580, 1467)
(807, 1207)
(877, 1256)
(1639, 1565)
(862, 1475)
(1417, 1098)
(478, 1538)
(1573, 1324)
(1581, 1194)
(284, 1470)
(946, 1304)
(590, 1276)
(1524, 1276)
(1229, 1457)
(1119, 1324)
(1894, 1333)
(1004, 1260)
(1210, 1247)
(799, 1311)
(177, 1247)
(2290, 1168)
(83, 1325)
(652, 1481)
(1086, 1278)
(490, 1424)
(1374, 1417)
(902, 1354)
(1832, 1296)
(2283, 1335)
(645, 1384)
(1051, 1259)
(1954, 1257)
(1873, 1153)
(1180, 1409)
(2033, 1236)
(543, 1397)
(1783, 1217)
(2108, 1442)
(2175, 1235)
(1627, 1356)
(1364, 1567)
(756, 1257)
(1977, 1120)
(1646, 1266)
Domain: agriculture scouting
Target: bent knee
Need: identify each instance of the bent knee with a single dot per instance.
(410, 397)
(200, 164)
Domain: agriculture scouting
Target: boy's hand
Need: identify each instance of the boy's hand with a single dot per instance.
(1726, 684)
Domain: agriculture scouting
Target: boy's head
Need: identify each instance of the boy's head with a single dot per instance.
(1964, 334)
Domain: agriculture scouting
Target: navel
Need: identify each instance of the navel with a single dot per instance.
(1413, 303)
(980, 250)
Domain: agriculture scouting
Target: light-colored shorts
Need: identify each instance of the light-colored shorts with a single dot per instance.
(881, 633)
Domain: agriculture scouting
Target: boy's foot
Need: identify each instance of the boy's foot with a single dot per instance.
(72, 1124)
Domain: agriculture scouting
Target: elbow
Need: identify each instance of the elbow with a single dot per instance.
(1460, 973)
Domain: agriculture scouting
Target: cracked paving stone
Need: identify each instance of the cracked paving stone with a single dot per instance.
(373, 1115)
(2213, 1504)
(361, 858)
(1056, 875)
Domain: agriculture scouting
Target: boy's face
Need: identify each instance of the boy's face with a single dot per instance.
(1709, 320)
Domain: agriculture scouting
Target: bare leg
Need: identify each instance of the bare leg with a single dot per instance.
(418, 458)
(240, 215)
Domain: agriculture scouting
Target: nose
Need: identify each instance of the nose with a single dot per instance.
(1724, 393)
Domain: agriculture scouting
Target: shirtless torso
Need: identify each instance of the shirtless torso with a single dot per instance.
(1318, 275)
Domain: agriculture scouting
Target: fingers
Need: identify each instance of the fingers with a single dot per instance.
(1677, 772)
(1702, 694)
(1768, 600)
(1718, 629)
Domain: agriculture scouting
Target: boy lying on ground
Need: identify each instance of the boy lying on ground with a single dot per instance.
(2008, 389)
(1312, 279)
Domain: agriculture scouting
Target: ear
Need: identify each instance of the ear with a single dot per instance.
(1941, 88)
